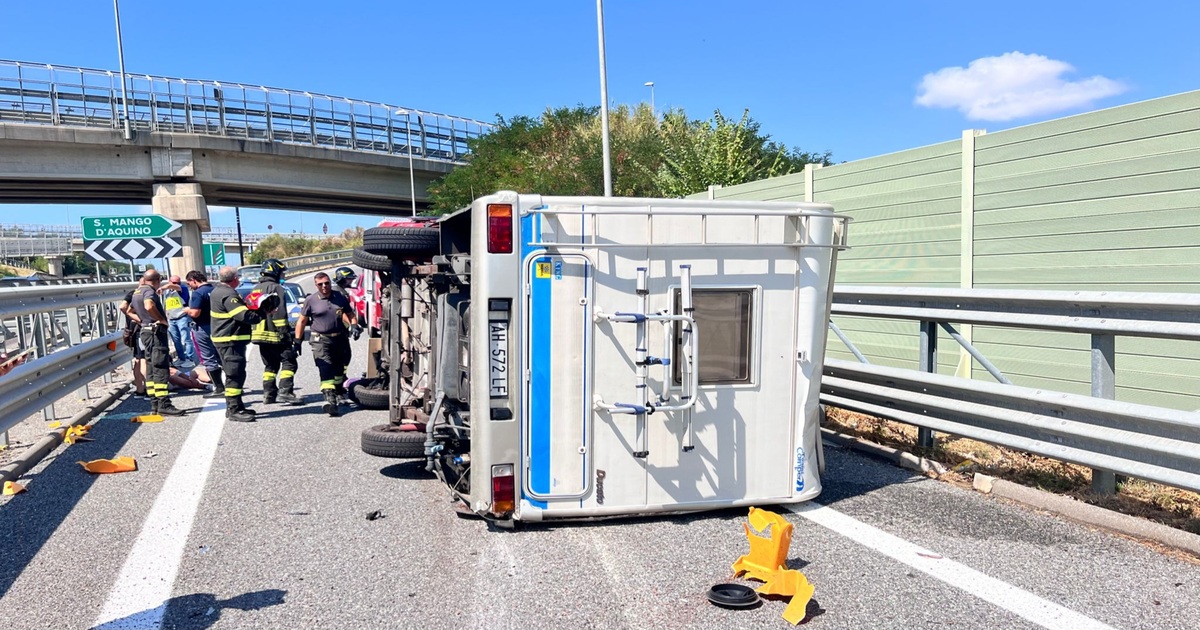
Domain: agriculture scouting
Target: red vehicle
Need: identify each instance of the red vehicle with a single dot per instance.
(366, 294)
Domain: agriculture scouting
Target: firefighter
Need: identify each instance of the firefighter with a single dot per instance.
(155, 339)
(232, 323)
(274, 339)
(333, 325)
(343, 279)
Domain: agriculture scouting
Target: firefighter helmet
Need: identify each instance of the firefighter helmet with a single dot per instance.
(273, 268)
(344, 274)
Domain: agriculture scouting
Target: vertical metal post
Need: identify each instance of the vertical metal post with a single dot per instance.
(608, 186)
(39, 341)
(237, 213)
(1104, 385)
(928, 363)
(74, 338)
(121, 62)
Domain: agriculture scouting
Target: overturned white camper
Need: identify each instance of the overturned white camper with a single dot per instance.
(575, 357)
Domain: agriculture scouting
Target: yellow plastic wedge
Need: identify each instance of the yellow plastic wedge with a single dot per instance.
(150, 417)
(766, 555)
(12, 487)
(107, 466)
(790, 583)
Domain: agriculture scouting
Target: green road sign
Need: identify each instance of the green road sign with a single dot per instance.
(214, 254)
(136, 226)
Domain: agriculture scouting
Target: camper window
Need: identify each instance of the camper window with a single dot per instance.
(723, 317)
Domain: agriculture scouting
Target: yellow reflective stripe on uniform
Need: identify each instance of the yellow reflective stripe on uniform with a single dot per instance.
(230, 338)
(286, 374)
(235, 311)
(268, 376)
(327, 385)
(280, 322)
(232, 391)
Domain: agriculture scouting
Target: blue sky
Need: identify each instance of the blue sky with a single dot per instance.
(855, 78)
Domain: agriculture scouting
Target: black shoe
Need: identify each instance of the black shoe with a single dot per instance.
(214, 393)
(289, 398)
(331, 406)
(235, 411)
(167, 408)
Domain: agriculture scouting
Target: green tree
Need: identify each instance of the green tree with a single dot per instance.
(284, 246)
(561, 153)
(719, 151)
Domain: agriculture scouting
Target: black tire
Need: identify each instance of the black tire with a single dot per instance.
(371, 262)
(398, 242)
(368, 395)
(385, 440)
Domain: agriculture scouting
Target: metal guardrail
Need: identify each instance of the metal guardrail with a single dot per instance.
(1143, 441)
(54, 321)
(301, 264)
(36, 385)
(39, 93)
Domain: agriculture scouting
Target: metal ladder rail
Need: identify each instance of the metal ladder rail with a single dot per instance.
(644, 360)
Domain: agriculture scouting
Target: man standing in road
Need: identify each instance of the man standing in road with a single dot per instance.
(333, 324)
(155, 340)
(175, 301)
(274, 339)
(232, 323)
(200, 310)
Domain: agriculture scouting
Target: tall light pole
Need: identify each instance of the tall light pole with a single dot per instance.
(650, 84)
(121, 63)
(412, 186)
(604, 102)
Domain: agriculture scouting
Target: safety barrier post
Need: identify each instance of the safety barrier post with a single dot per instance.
(928, 363)
(1104, 385)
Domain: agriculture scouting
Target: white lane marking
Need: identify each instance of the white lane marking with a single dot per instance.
(138, 599)
(1018, 601)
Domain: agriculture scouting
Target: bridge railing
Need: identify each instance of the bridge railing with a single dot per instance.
(1110, 436)
(68, 335)
(33, 93)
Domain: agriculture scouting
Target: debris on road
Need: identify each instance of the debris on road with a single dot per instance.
(150, 417)
(767, 563)
(12, 487)
(375, 515)
(75, 434)
(107, 466)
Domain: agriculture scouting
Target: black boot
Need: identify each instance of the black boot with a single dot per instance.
(331, 404)
(218, 383)
(242, 406)
(154, 405)
(286, 395)
(270, 392)
(340, 392)
(167, 408)
(235, 412)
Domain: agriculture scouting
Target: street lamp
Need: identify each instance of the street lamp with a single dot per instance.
(650, 84)
(604, 102)
(412, 186)
(121, 62)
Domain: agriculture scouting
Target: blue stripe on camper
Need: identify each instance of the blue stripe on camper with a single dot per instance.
(539, 366)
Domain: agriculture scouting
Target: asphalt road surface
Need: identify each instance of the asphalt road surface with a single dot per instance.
(264, 525)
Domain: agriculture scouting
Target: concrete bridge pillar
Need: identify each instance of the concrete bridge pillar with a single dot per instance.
(184, 203)
(55, 264)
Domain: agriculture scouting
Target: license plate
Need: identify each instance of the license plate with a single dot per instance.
(498, 359)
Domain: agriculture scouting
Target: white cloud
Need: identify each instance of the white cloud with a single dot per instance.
(1012, 85)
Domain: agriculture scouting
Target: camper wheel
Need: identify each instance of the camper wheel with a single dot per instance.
(385, 440)
(370, 393)
(371, 262)
(397, 242)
